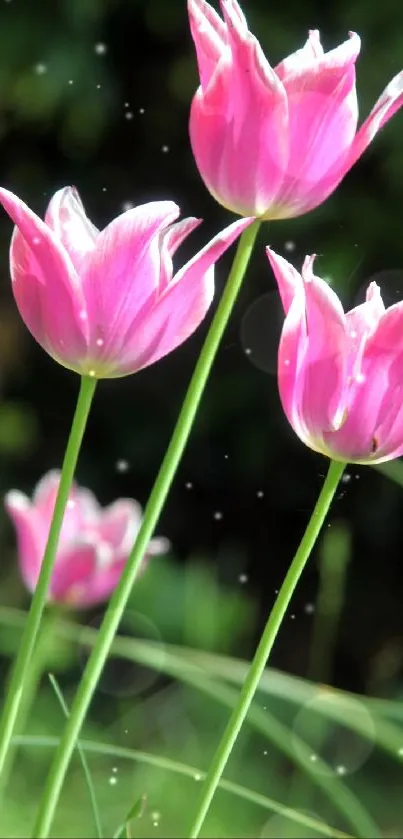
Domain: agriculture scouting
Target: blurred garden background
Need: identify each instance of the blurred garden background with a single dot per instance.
(96, 93)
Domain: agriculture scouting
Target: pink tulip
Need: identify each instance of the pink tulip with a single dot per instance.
(340, 374)
(106, 304)
(93, 547)
(275, 143)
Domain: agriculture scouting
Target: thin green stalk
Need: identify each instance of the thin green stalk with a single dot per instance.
(23, 661)
(83, 758)
(39, 661)
(152, 512)
(267, 640)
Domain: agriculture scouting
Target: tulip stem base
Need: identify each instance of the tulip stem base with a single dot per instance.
(20, 673)
(266, 643)
(152, 512)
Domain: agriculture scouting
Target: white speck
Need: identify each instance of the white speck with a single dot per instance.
(40, 68)
(122, 465)
(71, 81)
(141, 110)
(260, 493)
(287, 362)
(165, 149)
(114, 768)
(127, 205)
(71, 504)
(353, 333)
(360, 378)
(91, 373)
(243, 578)
(309, 608)
(265, 752)
(113, 780)
(189, 485)
(100, 49)
(248, 350)
(341, 770)
(218, 515)
(289, 246)
(36, 240)
(127, 104)
(346, 478)
(226, 456)
(98, 87)
(197, 777)
(292, 617)
(104, 189)
(126, 730)
(400, 751)
(83, 315)
(313, 758)
(100, 342)
(129, 115)
(155, 817)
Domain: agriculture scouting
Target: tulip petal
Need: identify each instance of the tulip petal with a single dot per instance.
(209, 34)
(75, 566)
(302, 58)
(120, 523)
(323, 110)
(176, 314)
(243, 108)
(388, 103)
(171, 238)
(66, 217)
(121, 275)
(312, 352)
(31, 535)
(44, 283)
(376, 396)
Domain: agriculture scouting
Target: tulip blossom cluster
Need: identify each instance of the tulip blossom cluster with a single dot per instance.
(94, 543)
(274, 143)
(340, 374)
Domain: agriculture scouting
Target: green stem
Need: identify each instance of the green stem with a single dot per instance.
(152, 512)
(266, 643)
(22, 664)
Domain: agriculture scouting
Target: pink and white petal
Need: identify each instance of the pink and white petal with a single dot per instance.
(388, 103)
(88, 506)
(44, 495)
(171, 239)
(304, 70)
(324, 365)
(289, 280)
(302, 58)
(209, 34)
(361, 323)
(66, 216)
(123, 271)
(245, 107)
(31, 536)
(120, 523)
(166, 321)
(53, 311)
(102, 583)
(291, 352)
(376, 393)
(73, 572)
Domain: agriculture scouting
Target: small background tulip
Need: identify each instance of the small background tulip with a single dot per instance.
(340, 374)
(107, 303)
(274, 143)
(94, 544)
